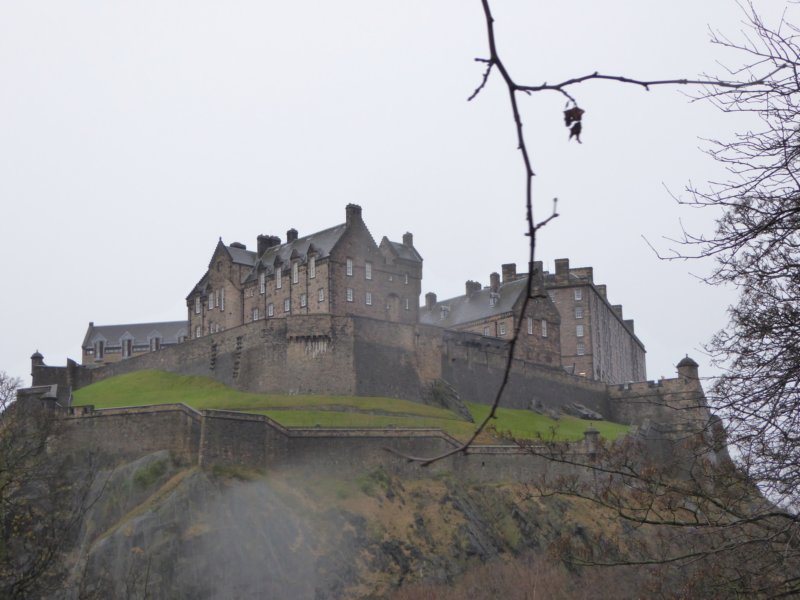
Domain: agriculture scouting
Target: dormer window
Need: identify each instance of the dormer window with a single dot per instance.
(493, 298)
(99, 346)
(445, 310)
(155, 344)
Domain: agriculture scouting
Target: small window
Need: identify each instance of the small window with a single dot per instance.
(544, 328)
(578, 312)
(486, 332)
(349, 267)
(278, 281)
(270, 309)
(262, 283)
(408, 304)
(530, 325)
(321, 295)
(222, 299)
(255, 314)
(210, 300)
(368, 270)
(581, 349)
(406, 281)
(349, 294)
(198, 331)
(155, 344)
(312, 267)
(127, 348)
(295, 272)
(579, 330)
(197, 305)
(369, 298)
(303, 300)
(578, 294)
(502, 329)
(287, 305)
(99, 347)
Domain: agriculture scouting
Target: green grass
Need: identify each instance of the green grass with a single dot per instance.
(159, 387)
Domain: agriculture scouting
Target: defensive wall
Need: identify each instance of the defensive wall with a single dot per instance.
(322, 354)
(211, 438)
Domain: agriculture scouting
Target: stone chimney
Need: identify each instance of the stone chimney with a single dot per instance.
(687, 369)
(430, 300)
(408, 240)
(291, 235)
(629, 324)
(472, 287)
(353, 212)
(562, 269)
(494, 282)
(601, 289)
(509, 272)
(267, 241)
(617, 308)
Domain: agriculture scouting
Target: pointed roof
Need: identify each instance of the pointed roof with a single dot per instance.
(477, 306)
(169, 331)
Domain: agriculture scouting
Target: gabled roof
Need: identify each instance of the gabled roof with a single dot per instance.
(466, 309)
(169, 331)
(241, 256)
(404, 252)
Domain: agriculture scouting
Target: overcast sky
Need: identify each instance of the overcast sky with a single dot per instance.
(134, 134)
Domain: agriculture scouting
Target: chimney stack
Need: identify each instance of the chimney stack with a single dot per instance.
(494, 282)
(353, 212)
(601, 289)
(509, 272)
(430, 300)
(472, 287)
(408, 240)
(267, 241)
(291, 235)
(562, 268)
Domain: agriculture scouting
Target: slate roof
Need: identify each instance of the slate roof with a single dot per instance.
(466, 309)
(170, 332)
(404, 252)
(241, 256)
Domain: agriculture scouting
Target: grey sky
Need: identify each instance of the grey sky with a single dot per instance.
(134, 134)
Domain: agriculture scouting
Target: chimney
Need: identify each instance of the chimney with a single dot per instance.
(617, 308)
(353, 212)
(494, 282)
(562, 268)
(239, 245)
(291, 235)
(629, 324)
(601, 289)
(430, 300)
(267, 241)
(472, 287)
(687, 368)
(538, 269)
(408, 240)
(509, 272)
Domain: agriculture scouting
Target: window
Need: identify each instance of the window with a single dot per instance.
(406, 279)
(530, 325)
(369, 298)
(198, 331)
(349, 294)
(579, 330)
(287, 305)
(262, 283)
(278, 281)
(255, 314)
(493, 299)
(210, 300)
(270, 309)
(368, 270)
(155, 344)
(578, 294)
(408, 304)
(486, 331)
(321, 295)
(581, 349)
(295, 272)
(578, 312)
(197, 303)
(303, 300)
(127, 348)
(99, 346)
(502, 329)
(544, 328)
(349, 267)
(222, 299)
(312, 267)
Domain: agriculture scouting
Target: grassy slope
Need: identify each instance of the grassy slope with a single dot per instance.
(158, 387)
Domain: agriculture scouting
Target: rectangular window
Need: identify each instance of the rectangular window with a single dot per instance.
(210, 300)
(222, 299)
(349, 294)
(349, 267)
(262, 283)
(278, 281)
(578, 294)
(270, 309)
(197, 305)
(99, 346)
(406, 279)
(408, 304)
(198, 331)
(581, 349)
(127, 348)
(155, 344)
(303, 300)
(321, 295)
(295, 272)
(369, 298)
(544, 328)
(502, 329)
(255, 314)
(579, 330)
(287, 305)
(485, 332)
(578, 312)
(530, 325)
(312, 267)
(368, 270)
